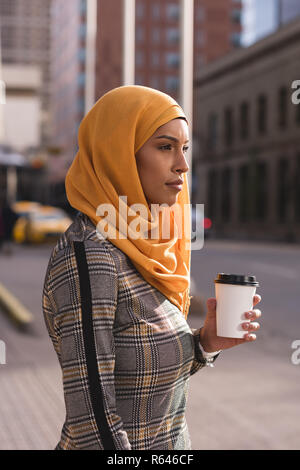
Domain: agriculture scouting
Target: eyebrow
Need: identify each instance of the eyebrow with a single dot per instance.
(170, 137)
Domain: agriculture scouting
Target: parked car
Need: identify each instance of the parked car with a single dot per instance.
(41, 223)
(23, 209)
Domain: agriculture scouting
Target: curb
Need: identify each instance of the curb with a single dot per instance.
(17, 311)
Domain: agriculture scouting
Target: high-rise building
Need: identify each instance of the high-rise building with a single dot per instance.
(261, 18)
(248, 163)
(68, 72)
(25, 40)
(217, 27)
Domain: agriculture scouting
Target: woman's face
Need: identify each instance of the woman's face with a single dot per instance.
(161, 160)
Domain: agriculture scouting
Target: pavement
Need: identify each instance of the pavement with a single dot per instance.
(31, 394)
(249, 400)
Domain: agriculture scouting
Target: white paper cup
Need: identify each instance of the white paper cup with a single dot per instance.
(234, 295)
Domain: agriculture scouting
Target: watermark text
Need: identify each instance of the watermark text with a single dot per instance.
(2, 92)
(295, 358)
(296, 95)
(166, 222)
(2, 352)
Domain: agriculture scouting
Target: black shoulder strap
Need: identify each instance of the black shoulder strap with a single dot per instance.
(90, 348)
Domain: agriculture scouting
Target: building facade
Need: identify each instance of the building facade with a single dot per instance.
(288, 10)
(25, 40)
(248, 133)
(68, 39)
(68, 77)
(217, 27)
(23, 99)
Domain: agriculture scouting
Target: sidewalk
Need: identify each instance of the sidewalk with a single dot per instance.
(31, 396)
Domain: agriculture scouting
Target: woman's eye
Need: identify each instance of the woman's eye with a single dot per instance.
(165, 147)
(169, 147)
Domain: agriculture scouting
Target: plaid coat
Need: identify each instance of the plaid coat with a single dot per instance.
(125, 351)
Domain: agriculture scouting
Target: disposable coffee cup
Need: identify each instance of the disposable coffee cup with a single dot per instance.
(234, 296)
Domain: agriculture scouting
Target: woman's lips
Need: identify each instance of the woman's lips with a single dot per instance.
(177, 187)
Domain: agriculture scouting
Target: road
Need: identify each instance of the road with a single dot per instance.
(249, 400)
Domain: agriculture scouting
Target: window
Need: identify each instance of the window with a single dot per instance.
(139, 58)
(173, 11)
(244, 194)
(212, 194)
(173, 35)
(225, 196)
(282, 189)
(172, 59)
(140, 10)
(236, 39)
(139, 33)
(156, 35)
(155, 59)
(261, 191)
(172, 83)
(228, 127)
(282, 107)
(82, 30)
(212, 131)
(244, 121)
(155, 11)
(81, 79)
(83, 7)
(200, 13)
(200, 38)
(262, 114)
(81, 54)
(236, 15)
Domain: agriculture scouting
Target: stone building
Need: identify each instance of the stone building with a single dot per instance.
(248, 135)
(25, 41)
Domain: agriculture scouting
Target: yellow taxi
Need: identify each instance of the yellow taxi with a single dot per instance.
(22, 209)
(41, 223)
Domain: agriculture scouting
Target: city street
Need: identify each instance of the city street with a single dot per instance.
(249, 400)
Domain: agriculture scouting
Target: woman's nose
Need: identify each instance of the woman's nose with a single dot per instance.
(182, 163)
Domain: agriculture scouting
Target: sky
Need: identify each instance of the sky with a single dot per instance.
(259, 19)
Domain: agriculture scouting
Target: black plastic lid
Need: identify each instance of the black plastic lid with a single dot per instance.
(239, 279)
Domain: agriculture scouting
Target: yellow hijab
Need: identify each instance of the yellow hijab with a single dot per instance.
(109, 136)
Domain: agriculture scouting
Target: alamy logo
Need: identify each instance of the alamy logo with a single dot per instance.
(295, 358)
(2, 92)
(2, 352)
(138, 227)
(296, 95)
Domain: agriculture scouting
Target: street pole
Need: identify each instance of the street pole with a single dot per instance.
(186, 72)
(90, 61)
(2, 97)
(128, 77)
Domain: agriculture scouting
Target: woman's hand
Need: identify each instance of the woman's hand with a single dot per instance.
(208, 333)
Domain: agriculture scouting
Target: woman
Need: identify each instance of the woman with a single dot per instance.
(115, 304)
